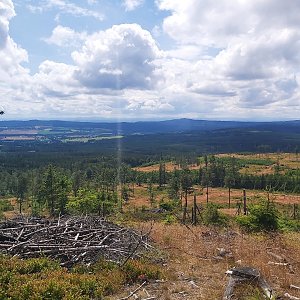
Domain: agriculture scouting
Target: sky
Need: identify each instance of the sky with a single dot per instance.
(129, 60)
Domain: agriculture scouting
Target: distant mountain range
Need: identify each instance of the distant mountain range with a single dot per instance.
(141, 139)
(153, 127)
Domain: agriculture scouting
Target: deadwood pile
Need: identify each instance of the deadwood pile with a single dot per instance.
(72, 240)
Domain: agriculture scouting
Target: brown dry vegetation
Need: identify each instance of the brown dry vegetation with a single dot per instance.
(216, 195)
(197, 272)
(170, 166)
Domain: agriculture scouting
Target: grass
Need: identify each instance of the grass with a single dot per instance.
(193, 257)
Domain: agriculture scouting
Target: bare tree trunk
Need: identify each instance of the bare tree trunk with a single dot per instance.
(245, 202)
(207, 193)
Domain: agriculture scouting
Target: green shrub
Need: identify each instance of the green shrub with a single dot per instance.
(211, 216)
(5, 205)
(288, 225)
(54, 291)
(36, 265)
(263, 216)
(168, 206)
(170, 219)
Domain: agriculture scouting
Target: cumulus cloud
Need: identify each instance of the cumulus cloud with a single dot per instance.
(6, 13)
(243, 51)
(132, 4)
(55, 80)
(65, 37)
(121, 57)
(227, 60)
(217, 24)
(11, 55)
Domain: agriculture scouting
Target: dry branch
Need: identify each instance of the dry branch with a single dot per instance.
(287, 295)
(71, 240)
(133, 292)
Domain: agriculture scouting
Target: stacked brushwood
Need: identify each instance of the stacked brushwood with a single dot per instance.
(71, 240)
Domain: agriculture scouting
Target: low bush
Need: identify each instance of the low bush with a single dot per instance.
(211, 216)
(262, 216)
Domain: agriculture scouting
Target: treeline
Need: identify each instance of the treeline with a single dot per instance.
(224, 172)
(102, 184)
(87, 186)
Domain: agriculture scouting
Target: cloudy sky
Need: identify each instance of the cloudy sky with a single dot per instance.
(150, 59)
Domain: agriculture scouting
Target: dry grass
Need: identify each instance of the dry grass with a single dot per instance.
(170, 166)
(196, 271)
(216, 195)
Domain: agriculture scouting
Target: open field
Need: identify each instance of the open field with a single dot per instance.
(19, 132)
(18, 138)
(170, 166)
(89, 139)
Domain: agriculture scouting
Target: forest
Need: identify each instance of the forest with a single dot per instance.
(193, 201)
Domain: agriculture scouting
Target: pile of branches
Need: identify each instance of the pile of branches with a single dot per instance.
(72, 240)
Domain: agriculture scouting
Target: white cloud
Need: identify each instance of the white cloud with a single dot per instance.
(55, 80)
(121, 57)
(11, 55)
(6, 13)
(65, 37)
(245, 52)
(206, 22)
(132, 4)
(229, 60)
(65, 7)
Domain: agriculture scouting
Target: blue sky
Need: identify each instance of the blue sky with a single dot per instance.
(150, 60)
